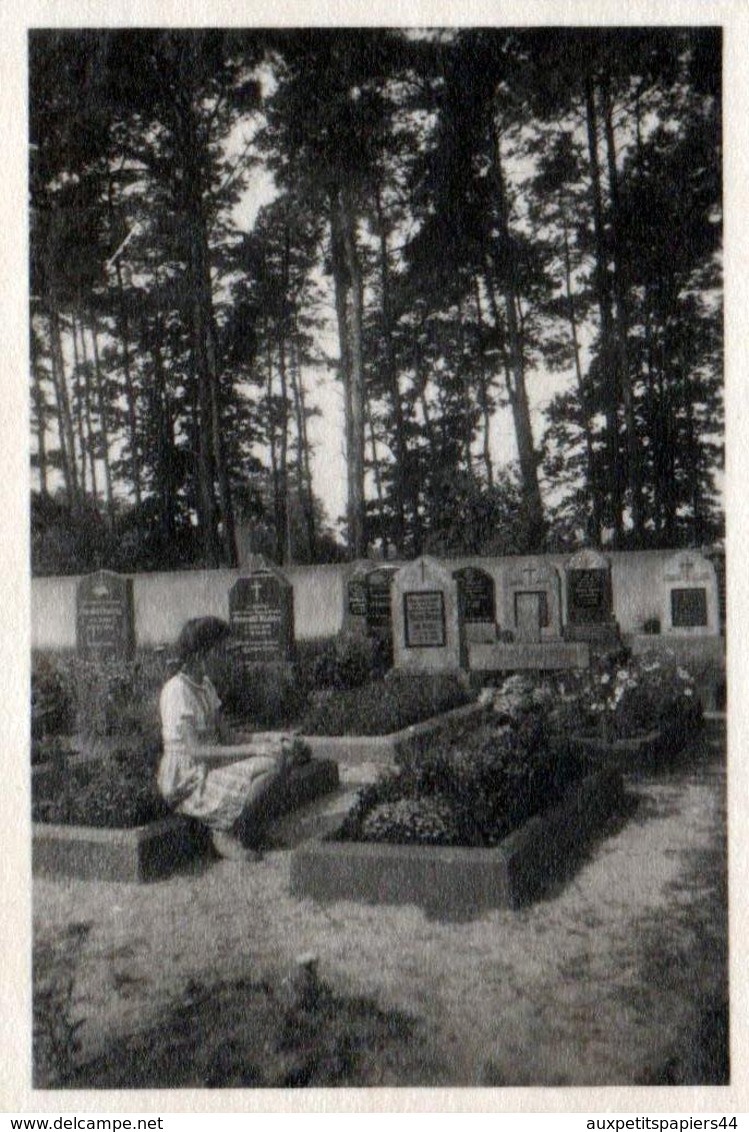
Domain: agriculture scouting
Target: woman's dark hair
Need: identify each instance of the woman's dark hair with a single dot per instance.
(200, 635)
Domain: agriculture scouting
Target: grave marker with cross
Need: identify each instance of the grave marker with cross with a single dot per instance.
(261, 615)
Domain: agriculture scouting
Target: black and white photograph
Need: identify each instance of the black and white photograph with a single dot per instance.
(374, 437)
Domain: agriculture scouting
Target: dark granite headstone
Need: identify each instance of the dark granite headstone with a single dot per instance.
(105, 619)
(357, 596)
(477, 597)
(261, 615)
(379, 614)
(589, 595)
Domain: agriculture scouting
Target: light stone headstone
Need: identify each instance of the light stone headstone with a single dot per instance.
(690, 596)
(531, 605)
(428, 631)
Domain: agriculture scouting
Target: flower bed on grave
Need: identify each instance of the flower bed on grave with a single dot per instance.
(633, 713)
(472, 792)
(481, 822)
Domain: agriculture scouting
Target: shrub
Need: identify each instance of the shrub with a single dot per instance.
(621, 697)
(388, 705)
(116, 791)
(52, 696)
(342, 663)
(472, 793)
(261, 695)
(97, 699)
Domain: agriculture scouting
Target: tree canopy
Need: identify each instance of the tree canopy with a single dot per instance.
(503, 246)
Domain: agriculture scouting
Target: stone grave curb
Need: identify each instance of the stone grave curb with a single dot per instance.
(456, 882)
(127, 855)
(153, 851)
(384, 749)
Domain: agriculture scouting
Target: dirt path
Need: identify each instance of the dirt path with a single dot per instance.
(618, 977)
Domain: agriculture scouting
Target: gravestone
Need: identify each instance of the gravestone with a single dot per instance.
(590, 602)
(589, 596)
(690, 604)
(428, 631)
(105, 618)
(378, 601)
(478, 605)
(355, 611)
(531, 607)
(261, 615)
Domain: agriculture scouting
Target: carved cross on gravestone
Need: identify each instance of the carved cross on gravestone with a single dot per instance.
(256, 588)
(686, 569)
(529, 573)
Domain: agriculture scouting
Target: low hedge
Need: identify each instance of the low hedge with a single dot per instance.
(384, 706)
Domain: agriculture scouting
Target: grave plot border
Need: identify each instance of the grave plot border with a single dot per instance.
(387, 749)
(456, 882)
(153, 851)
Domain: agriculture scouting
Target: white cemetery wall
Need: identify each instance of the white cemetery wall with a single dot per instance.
(163, 602)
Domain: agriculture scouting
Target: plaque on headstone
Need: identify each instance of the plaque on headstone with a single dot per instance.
(261, 614)
(688, 607)
(477, 594)
(105, 621)
(424, 619)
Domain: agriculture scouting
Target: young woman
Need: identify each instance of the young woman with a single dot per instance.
(218, 783)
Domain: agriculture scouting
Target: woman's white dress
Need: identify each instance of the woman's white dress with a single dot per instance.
(215, 795)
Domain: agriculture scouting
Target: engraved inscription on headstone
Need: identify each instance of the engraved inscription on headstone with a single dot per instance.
(261, 614)
(690, 598)
(477, 594)
(688, 607)
(379, 615)
(105, 622)
(587, 590)
(589, 595)
(357, 597)
(424, 619)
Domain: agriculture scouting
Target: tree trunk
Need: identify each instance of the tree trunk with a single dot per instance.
(634, 473)
(79, 406)
(603, 295)
(594, 517)
(40, 407)
(303, 457)
(59, 377)
(103, 421)
(399, 438)
(349, 307)
(483, 389)
(527, 455)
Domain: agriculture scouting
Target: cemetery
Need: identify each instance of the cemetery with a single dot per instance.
(376, 476)
(412, 685)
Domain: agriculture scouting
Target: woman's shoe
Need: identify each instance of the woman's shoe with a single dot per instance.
(231, 848)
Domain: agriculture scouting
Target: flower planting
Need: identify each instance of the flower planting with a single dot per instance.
(472, 793)
(382, 707)
(622, 697)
